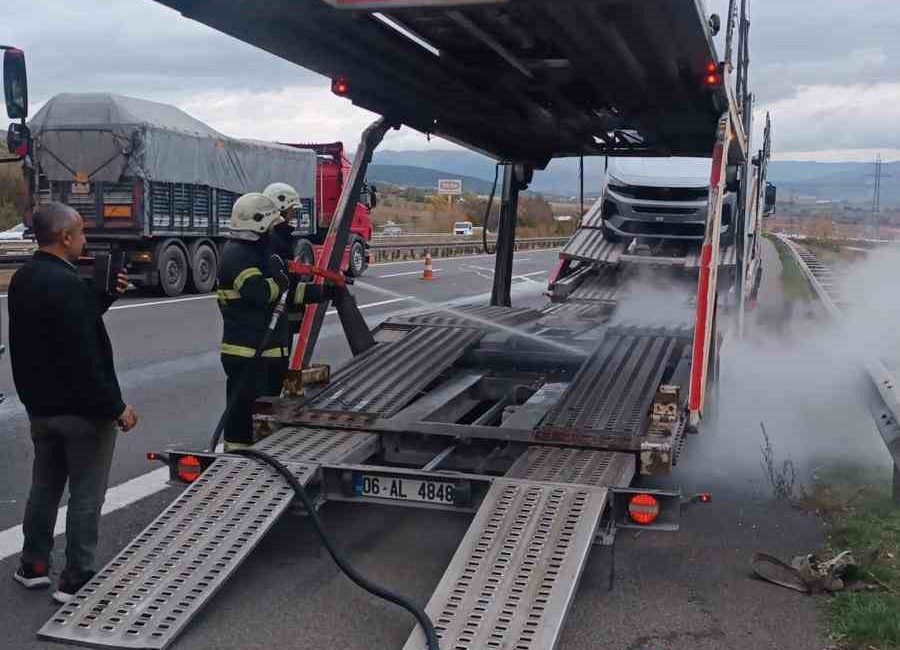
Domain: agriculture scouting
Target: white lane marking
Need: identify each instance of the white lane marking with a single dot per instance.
(523, 259)
(331, 312)
(397, 275)
(118, 497)
(529, 275)
(162, 302)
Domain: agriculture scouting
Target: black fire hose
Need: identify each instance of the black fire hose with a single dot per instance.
(487, 212)
(360, 580)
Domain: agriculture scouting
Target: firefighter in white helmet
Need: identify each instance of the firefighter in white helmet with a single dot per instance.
(248, 291)
(288, 201)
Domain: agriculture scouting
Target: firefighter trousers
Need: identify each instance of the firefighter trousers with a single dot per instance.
(265, 378)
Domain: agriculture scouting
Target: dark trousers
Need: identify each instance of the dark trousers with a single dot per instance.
(264, 378)
(78, 450)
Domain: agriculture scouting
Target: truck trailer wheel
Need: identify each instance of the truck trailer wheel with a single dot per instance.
(359, 261)
(204, 269)
(173, 270)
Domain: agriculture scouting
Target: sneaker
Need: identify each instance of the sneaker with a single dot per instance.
(68, 587)
(33, 575)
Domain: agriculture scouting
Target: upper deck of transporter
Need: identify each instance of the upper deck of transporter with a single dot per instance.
(519, 80)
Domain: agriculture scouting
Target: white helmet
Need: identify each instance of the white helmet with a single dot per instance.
(252, 215)
(284, 196)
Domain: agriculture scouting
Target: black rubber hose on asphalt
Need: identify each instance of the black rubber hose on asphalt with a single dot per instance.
(360, 580)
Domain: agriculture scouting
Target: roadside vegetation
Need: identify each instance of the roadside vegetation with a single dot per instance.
(419, 211)
(12, 192)
(796, 287)
(864, 520)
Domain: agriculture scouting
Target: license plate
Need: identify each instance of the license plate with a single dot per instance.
(403, 489)
(81, 188)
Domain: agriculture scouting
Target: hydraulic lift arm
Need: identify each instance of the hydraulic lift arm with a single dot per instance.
(333, 251)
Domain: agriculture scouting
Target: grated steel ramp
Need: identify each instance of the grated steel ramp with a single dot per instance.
(574, 466)
(471, 316)
(597, 288)
(311, 444)
(149, 592)
(389, 376)
(588, 244)
(513, 577)
(610, 396)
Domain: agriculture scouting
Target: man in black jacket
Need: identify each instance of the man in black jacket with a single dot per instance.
(63, 369)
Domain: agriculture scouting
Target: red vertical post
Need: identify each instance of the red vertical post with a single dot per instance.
(708, 280)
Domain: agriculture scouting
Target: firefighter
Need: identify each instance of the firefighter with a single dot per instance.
(248, 291)
(288, 201)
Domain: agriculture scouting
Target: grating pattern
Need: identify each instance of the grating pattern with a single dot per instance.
(575, 466)
(610, 396)
(588, 244)
(148, 593)
(569, 312)
(597, 288)
(513, 577)
(727, 258)
(594, 216)
(308, 444)
(471, 316)
(388, 376)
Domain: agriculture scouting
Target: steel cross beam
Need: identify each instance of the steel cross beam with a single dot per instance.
(332, 253)
(707, 289)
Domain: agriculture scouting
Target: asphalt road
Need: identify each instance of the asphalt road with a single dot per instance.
(671, 591)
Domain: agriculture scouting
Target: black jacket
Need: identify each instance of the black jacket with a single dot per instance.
(247, 293)
(62, 360)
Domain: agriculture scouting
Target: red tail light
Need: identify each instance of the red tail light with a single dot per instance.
(189, 468)
(643, 509)
(340, 87)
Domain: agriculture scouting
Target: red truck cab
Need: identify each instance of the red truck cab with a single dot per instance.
(333, 167)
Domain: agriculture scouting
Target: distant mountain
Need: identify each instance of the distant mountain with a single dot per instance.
(829, 181)
(422, 177)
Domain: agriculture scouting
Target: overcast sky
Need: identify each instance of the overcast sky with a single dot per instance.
(828, 70)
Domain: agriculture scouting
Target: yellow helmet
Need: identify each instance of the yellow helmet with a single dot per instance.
(252, 215)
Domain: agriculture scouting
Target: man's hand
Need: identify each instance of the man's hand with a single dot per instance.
(122, 283)
(128, 419)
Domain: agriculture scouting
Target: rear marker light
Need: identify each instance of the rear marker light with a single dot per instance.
(189, 469)
(340, 86)
(152, 455)
(643, 509)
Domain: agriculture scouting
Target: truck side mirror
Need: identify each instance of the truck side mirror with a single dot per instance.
(373, 197)
(771, 196)
(18, 140)
(15, 84)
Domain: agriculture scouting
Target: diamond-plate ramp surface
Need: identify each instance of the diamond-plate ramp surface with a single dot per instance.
(483, 316)
(513, 577)
(589, 244)
(147, 594)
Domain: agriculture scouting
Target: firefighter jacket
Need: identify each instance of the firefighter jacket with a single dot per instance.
(247, 294)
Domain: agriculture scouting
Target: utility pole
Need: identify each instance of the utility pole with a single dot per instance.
(879, 175)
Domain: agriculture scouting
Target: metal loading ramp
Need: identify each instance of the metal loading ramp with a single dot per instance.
(511, 582)
(148, 593)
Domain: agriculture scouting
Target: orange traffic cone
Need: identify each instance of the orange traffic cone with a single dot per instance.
(428, 273)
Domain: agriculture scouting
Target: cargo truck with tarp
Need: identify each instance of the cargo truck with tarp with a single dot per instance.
(158, 184)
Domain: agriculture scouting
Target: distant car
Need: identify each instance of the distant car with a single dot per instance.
(463, 228)
(16, 233)
(392, 231)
